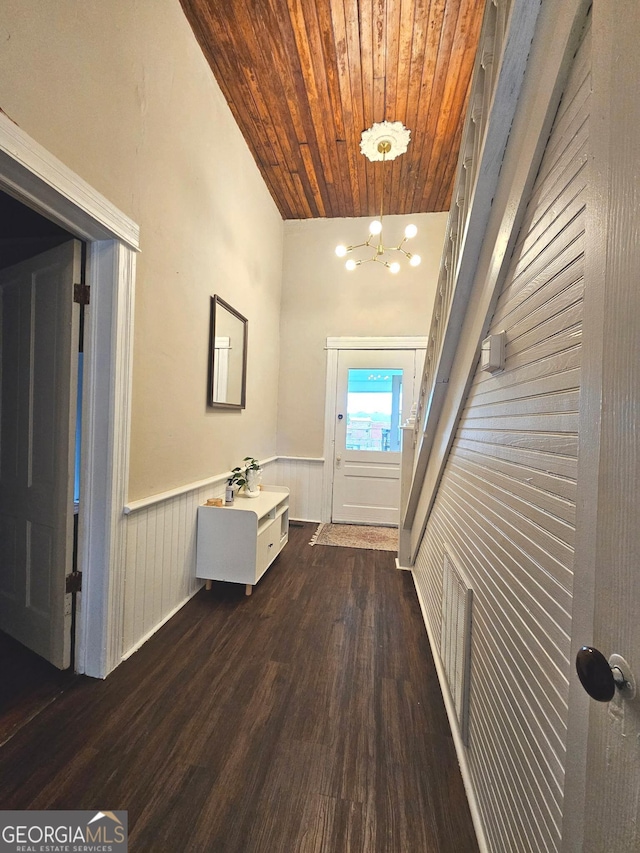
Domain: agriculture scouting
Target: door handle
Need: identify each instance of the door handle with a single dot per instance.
(601, 677)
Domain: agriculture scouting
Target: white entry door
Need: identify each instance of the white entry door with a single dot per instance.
(375, 391)
(37, 444)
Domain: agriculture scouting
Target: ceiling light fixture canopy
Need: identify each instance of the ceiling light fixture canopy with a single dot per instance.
(384, 141)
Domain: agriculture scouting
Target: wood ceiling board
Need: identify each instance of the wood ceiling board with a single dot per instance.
(247, 109)
(304, 79)
(453, 104)
(310, 50)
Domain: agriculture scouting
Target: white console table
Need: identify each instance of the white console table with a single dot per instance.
(239, 542)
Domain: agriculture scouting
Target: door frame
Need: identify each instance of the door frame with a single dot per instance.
(33, 176)
(601, 775)
(333, 347)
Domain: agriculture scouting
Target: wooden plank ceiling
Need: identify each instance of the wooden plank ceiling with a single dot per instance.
(304, 78)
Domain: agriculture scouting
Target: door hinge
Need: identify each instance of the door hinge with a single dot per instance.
(81, 294)
(74, 582)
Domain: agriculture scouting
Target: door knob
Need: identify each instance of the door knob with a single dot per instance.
(601, 677)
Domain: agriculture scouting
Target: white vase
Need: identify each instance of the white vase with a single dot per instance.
(253, 478)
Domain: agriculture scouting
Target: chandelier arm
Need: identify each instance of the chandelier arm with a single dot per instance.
(382, 139)
(384, 163)
(358, 246)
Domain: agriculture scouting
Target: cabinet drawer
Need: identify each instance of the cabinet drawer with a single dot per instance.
(268, 547)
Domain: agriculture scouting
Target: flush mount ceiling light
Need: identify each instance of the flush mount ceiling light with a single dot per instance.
(384, 141)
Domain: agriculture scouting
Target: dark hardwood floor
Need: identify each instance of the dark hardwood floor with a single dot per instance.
(27, 685)
(306, 717)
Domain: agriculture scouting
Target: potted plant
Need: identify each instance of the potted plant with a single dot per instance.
(252, 473)
(246, 477)
(237, 479)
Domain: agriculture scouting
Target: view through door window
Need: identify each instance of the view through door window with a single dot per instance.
(374, 406)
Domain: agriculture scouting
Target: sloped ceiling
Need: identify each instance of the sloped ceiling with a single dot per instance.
(304, 78)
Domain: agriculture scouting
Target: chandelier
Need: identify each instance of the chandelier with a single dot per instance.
(384, 141)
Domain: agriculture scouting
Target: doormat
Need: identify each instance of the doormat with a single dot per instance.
(356, 536)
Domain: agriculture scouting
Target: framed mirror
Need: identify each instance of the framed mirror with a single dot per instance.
(227, 356)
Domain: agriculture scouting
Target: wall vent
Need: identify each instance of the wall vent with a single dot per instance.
(455, 639)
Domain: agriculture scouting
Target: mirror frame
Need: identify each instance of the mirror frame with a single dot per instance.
(215, 302)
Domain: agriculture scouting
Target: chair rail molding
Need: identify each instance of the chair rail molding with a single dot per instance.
(302, 474)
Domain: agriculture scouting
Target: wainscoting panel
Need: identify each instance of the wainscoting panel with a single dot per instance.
(505, 508)
(161, 563)
(303, 478)
(161, 542)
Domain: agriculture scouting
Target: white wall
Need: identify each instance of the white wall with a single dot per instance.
(505, 508)
(123, 96)
(321, 299)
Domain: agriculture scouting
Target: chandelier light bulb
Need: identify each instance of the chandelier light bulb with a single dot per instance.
(381, 142)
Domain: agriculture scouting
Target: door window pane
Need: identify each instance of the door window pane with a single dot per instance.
(374, 406)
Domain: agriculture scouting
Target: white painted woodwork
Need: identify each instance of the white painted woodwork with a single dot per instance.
(160, 557)
(303, 477)
(39, 369)
(455, 639)
(161, 542)
(366, 483)
(161, 560)
(603, 770)
(238, 543)
(505, 505)
(335, 346)
(377, 342)
(470, 288)
(493, 99)
(106, 420)
(452, 715)
(31, 174)
(406, 473)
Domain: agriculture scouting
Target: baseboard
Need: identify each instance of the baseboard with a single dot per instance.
(157, 627)
(402, 568)
(460, 748)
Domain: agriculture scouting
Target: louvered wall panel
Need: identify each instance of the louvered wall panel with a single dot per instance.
(505, 508)
(455, 641)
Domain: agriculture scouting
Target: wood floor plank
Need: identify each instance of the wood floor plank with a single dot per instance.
(28, 683)
(307, 717)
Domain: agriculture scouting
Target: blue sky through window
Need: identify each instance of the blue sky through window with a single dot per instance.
(373, 397)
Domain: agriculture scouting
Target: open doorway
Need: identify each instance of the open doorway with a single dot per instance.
(40, 353)
(35, 177)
